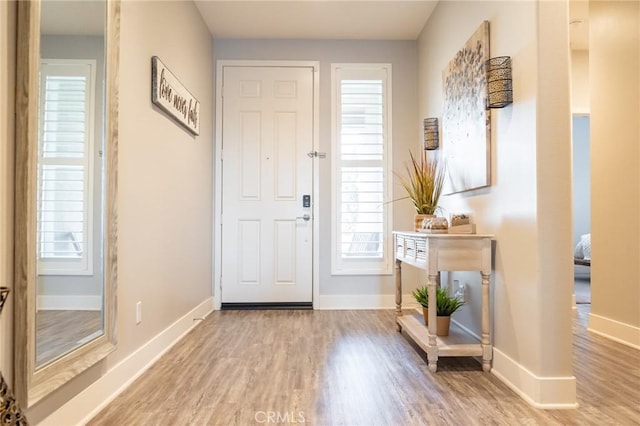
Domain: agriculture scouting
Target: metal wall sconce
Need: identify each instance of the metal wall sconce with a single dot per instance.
(499, 84)
(431, 135)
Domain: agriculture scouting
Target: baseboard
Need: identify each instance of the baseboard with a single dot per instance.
(363, 301)
(466, 329)
(549, 393)
(69, 303)
(615, 330)
(84, 406)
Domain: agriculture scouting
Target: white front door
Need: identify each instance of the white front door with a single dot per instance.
(267, 231)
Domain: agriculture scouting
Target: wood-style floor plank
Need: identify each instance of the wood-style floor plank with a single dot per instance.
(352, 368)
(58, 332)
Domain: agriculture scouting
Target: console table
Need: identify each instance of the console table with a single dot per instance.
(444, 252)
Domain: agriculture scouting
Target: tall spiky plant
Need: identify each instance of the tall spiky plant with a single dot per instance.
(423, 182)
(445, 304)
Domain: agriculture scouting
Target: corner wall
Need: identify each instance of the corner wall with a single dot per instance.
(165, 204)
(614, 67)
(580, 98)
(527, 207)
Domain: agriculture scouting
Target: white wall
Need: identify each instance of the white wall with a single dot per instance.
(580, 82)
(337, 291)
(614, 67)
(164, 200)
(166, 173)
(527, 207)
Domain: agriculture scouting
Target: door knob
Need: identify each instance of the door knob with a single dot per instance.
(304, 217)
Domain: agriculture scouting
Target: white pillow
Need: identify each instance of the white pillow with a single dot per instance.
(585, 240)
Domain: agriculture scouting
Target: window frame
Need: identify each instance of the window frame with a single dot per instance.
(361, 266)
(84, 264)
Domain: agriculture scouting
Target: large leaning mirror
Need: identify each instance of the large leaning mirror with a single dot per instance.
(65, 218)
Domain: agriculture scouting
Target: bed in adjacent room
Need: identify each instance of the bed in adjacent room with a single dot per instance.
(582, 252)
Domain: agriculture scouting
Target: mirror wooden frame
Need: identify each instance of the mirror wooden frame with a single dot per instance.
(31, 384)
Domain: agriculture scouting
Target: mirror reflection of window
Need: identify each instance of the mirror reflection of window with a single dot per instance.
(70, 187)
(65, 166)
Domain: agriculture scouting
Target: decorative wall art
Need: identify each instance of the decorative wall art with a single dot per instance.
(465, 120)
(173, 98)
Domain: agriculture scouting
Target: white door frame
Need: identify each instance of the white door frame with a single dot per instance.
(217, 176)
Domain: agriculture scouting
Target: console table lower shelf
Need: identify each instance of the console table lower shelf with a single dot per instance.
(457, 343)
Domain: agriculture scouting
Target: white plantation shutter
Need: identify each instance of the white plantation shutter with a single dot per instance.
(65, 166)
(361, 147)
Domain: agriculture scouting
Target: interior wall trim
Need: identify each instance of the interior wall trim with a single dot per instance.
(88, 403)
(70, 302)
(549, 393)
(615, 330)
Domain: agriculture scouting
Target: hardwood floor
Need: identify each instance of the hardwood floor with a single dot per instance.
(352, 368)
(58, 332)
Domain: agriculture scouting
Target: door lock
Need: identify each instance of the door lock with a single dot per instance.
(304, 217)
(316, 154)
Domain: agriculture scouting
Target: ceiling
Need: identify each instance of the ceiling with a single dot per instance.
(316, 19)
(296, 19)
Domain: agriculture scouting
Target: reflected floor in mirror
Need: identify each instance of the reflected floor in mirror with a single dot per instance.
(59, 332)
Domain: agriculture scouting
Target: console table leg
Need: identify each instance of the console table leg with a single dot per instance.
(432, 358)
(432, 352)
(487, 350)
(398, 293)
(486, 358)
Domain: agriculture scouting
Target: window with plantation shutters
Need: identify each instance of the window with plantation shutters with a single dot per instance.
(361, 109)
(65, 148)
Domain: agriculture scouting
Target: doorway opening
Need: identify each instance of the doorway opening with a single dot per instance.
(581, 209)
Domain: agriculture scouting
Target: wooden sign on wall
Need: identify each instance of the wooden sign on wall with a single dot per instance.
(173, 98)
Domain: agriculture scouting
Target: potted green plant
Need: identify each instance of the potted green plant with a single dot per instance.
(421, 294)
(445, 305)
(423, 180)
